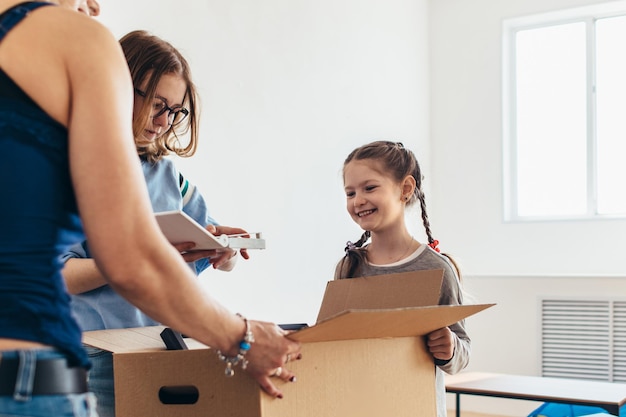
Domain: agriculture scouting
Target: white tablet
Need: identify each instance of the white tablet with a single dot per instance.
(178, 227)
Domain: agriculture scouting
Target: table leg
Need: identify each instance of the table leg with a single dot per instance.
(614, 411)
(458, 404)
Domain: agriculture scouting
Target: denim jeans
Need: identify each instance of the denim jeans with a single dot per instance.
(23, 404)
(100, 380)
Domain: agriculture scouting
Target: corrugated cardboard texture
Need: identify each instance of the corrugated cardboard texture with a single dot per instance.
(140, 377)
(365, 378)
(401, 322)
(126, 340)
(137, 339)
(408, 289)
(369, 360)
(359, 378)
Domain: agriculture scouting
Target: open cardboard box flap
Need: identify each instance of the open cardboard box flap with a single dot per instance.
(407, 289)
(138, 339)
(393, 305)
(362, 325)
(399, 322)
(348, 325)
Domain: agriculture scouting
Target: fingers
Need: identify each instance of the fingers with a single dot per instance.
(279, 373)
(184, 246)
(190, 255)
(442, 353)
(226, 230)
(267, 386)
(265, 381)
(223, 257)
(198, 254)
(218, 257)
(269, 355)
(290, 356)
(284, 374)
(441, 344)
(440, 336)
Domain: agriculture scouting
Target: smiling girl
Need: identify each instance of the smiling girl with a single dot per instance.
(381, 179)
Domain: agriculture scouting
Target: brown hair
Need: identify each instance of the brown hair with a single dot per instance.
(398, 162)
(150, 57)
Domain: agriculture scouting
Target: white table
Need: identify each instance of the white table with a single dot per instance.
(609, 396)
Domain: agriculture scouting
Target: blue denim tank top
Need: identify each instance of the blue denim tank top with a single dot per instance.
(38, 218)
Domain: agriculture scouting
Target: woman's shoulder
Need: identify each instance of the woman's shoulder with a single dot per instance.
(81, 56)
(69, 25)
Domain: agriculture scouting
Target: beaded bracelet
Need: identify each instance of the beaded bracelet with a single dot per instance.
(244, 347)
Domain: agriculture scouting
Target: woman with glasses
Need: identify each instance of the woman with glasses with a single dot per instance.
(69, 170)
(165, 110)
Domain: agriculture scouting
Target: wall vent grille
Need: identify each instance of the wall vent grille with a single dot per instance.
(584, 339)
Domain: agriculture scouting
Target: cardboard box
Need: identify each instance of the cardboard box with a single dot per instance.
(357, 360)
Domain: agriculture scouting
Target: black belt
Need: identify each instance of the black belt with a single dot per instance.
(52, 377)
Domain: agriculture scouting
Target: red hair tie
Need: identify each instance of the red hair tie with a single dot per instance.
(434, 245)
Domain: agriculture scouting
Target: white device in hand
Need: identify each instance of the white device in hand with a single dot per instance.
(178, 227)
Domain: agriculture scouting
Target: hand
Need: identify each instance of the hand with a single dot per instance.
(227, 230)
(221, 259)
(441, 344)
(268, 355)
(190, 255)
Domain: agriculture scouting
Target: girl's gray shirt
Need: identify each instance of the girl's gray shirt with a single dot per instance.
(424, 258)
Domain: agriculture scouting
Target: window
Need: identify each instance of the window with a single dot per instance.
(564, 115)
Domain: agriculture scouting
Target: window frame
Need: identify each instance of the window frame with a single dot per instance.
(510, 27)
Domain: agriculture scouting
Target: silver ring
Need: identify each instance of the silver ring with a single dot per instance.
(278, 371)
(288, 358)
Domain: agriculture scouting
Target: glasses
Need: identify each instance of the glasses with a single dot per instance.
(174, 115)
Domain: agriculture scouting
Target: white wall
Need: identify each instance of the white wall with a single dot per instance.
(513, 265)
(289, 88)
(466, 134)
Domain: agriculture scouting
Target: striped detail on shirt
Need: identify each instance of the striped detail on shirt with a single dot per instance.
(186, 188)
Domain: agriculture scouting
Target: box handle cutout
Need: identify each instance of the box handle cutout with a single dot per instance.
(181, 394)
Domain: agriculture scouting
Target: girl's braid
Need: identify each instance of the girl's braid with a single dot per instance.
(425, 221)
(355, 257)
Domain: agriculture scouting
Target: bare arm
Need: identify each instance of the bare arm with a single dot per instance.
(82, 275)
(124, 238)
(113, 200)
(85, 60)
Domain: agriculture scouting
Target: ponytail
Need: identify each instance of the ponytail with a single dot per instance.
(355, 257)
